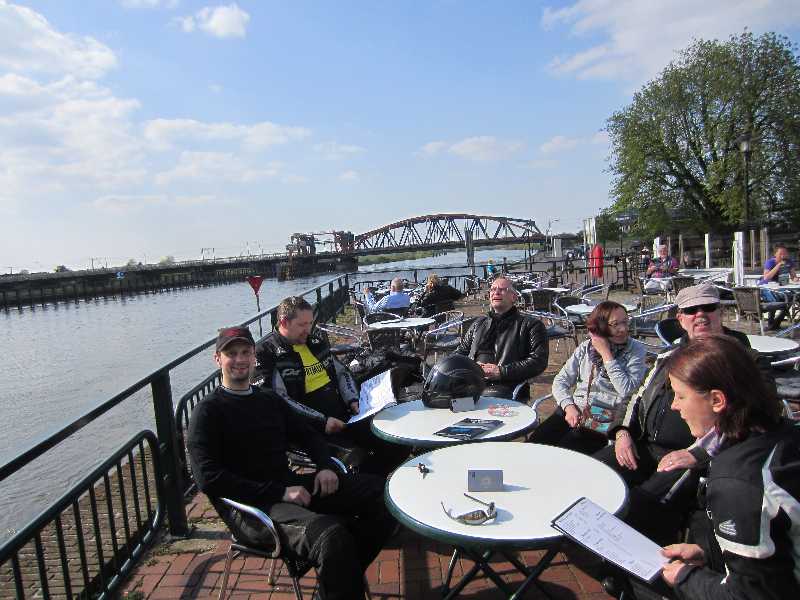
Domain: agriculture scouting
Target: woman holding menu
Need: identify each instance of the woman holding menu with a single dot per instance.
(752, 497)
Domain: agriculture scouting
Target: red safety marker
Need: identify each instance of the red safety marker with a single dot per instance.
(255, 282)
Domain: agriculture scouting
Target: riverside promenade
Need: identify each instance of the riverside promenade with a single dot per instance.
(411, 567)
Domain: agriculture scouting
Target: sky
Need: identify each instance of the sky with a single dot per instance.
(151, 128)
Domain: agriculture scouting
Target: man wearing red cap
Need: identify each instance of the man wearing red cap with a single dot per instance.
(238, 438)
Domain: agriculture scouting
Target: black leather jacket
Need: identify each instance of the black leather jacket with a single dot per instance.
(521, 348)
(752, 498)
(280, 368)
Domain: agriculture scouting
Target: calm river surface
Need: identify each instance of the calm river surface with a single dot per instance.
(69, 357)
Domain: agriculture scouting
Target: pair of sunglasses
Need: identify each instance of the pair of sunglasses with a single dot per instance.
(475, 517)
(706, 308)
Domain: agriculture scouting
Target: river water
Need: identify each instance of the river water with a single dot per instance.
(67, 358)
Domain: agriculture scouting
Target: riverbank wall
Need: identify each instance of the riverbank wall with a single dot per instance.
(17, 291)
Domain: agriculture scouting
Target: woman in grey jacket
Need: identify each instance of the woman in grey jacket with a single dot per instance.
(601, 374)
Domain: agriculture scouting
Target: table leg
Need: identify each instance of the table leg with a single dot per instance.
(450, 568)
(533, 574)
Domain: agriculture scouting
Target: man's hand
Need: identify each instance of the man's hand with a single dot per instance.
(625, 450)
(681, 555)
(326, 482)
(679, 459)
(354, 407)
(333, 425)
(572, 415)
(490, 371)
(297, 494)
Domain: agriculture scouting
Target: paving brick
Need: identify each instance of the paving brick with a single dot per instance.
(179, 563)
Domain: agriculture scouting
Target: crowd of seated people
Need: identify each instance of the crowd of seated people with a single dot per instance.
(703, 409)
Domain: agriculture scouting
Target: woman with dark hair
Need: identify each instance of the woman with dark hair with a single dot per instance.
(600, 375)
(752, 493)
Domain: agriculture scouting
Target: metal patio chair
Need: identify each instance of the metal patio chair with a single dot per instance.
(669, 330)
(749, 304)
(296, 568)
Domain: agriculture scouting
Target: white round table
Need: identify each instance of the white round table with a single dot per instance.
(413, 424)
(766, 344)
(539, 483)
(407, 323)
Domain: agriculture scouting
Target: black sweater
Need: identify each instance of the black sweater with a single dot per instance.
(237, 446)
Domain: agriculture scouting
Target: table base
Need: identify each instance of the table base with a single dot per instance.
(481, 560)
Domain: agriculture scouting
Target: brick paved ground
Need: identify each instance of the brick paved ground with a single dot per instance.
(409, 567)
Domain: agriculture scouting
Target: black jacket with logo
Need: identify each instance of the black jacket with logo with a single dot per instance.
(280, 368)
(753, 501)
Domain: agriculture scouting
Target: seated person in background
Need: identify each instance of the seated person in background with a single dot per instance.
(238, 438)
(596, 380)
(652, 444)
(778, 269)
(748, 531)
(396, 298)
(660, 269)
(437, 292)
(510, 347)
(300, 368)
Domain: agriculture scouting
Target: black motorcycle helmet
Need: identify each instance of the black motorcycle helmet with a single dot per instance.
(455, 376)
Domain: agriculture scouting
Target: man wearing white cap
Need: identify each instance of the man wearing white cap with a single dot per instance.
(653, 446)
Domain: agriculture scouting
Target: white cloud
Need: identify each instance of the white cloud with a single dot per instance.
(562, 143)
(485, 148)
(126, 204)
(433, 148)
(28, 44)
(215, 87)
(164, 133)
(336, 151)
(217, 167)
(637, 39)
(351, 176)
(559, 143)
(150, 3)
(480, 148)
(219, 21)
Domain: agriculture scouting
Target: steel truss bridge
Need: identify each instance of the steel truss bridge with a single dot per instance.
(446, 230)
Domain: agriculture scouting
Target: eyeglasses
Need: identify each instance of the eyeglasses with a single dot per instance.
(624, 323)
(706, 308)
(475, 517)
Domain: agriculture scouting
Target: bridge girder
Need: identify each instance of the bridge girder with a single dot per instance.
(445, 229)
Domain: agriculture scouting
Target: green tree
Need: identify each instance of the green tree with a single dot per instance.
(607, 227)
(677, 144)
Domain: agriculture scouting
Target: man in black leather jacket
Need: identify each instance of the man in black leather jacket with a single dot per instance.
(299, 367)
(510, 347)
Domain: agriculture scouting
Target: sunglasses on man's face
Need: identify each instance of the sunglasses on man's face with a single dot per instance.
(475, 517)
(706, 308)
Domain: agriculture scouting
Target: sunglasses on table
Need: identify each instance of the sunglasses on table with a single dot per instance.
(706, 308)
(475, 517)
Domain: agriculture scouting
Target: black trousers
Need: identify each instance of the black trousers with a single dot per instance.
(340, 534)
(555, 431)
(648, 509)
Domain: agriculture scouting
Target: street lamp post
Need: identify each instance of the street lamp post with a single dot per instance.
(744, 147)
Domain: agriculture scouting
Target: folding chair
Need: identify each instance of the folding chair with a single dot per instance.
(749, 304)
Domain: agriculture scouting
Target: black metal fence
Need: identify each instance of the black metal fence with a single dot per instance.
(87, 541)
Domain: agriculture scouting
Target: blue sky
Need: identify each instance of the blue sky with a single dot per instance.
(146, 128)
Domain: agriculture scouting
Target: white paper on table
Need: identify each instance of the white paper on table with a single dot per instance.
(601, 532)
(376, 393)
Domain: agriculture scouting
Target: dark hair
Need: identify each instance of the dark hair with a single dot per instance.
(779, 246)
(720, 362)
(597, 323)
(289, 307)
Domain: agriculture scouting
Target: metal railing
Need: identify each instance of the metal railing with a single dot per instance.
(92, 536)
(122, 516)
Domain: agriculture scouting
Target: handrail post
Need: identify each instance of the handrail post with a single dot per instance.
(167, 447)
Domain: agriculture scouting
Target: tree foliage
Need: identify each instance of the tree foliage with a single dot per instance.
(676, 146)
